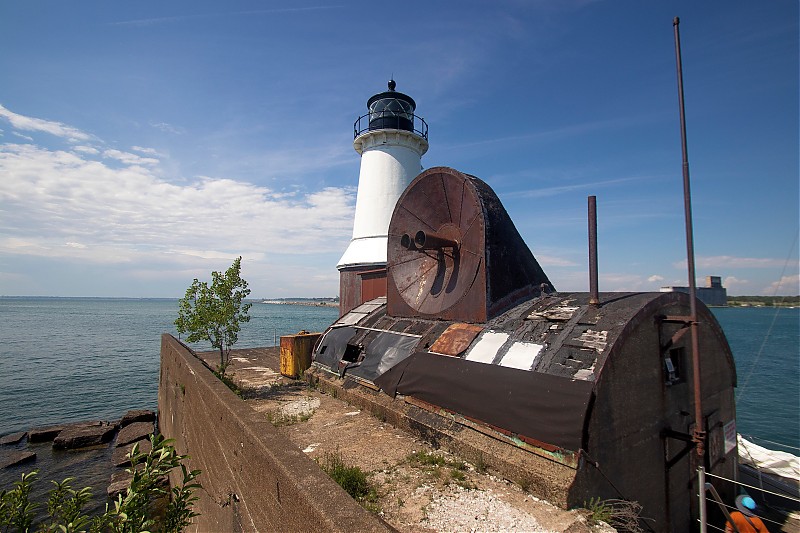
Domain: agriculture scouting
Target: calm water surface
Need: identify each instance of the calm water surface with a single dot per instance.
(766, 348)
(73, 359)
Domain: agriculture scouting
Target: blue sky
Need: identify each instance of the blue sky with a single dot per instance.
(143, 144)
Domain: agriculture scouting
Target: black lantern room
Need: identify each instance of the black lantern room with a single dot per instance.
(392, 110)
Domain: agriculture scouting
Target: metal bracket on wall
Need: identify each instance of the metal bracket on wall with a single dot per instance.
(668, 433)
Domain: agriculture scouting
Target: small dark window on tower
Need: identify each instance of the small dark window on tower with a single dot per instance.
(674, 366)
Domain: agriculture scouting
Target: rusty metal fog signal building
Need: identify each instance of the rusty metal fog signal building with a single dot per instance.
(594, 396)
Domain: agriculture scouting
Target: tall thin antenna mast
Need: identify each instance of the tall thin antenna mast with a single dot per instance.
(698, 435)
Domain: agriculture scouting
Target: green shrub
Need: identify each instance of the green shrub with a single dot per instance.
(427, 459)
(351, 478)
(131, 512)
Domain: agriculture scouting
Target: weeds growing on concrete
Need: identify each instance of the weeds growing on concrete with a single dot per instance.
(427, 459)
(279, 419)
(227, 379)
(434, 464)
(460, 478)
(480, 464)
(351, 478)
(599, 511)
(622, 515)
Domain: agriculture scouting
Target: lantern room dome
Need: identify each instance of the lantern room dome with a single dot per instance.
(391, 110)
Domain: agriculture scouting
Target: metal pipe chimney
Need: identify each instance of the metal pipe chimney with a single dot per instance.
(594, 295)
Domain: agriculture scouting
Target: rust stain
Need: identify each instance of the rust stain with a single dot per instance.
(456, 339)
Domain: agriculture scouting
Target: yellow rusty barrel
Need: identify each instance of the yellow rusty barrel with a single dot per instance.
(296, 352)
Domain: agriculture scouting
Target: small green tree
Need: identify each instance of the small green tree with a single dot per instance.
(215, 313)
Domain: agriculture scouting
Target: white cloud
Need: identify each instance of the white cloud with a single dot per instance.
(727, 261)
(786, 286)
(21, 136)
(129, 213)
(734, 283)
(655, 278)
(553, 191)
(168, 128)
(553, 261)
(572, 280)
(58, 129)
(623, 282)
(129, 158)
(146, 151)
(86, 150)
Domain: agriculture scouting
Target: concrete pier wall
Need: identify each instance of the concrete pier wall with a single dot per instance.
(253, 478)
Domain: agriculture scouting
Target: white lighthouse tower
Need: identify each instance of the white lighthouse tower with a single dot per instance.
(391, 140)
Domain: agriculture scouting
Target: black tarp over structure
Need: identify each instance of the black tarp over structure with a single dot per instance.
(549, 409)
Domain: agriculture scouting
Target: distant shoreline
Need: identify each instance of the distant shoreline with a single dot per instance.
(309, 303)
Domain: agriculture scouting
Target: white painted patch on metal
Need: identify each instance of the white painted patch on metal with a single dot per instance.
(521, 355)
(485, 350)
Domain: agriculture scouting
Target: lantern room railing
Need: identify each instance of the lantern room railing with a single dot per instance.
(382, 120)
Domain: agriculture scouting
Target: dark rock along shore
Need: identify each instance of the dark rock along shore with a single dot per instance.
(96, 449)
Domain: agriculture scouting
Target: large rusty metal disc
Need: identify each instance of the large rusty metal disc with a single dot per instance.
(443, 205)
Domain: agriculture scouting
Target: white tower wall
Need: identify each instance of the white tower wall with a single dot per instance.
(390, 160)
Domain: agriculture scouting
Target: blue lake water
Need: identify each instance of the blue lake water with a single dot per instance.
(766, 348)
(72, 359)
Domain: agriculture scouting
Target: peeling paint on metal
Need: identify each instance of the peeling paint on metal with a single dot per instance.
(593, 339)
(586, 374)
(560, 314)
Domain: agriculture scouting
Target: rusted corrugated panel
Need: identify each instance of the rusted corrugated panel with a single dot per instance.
(456, 339)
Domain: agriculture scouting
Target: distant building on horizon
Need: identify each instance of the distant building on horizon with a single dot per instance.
(713, 294)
